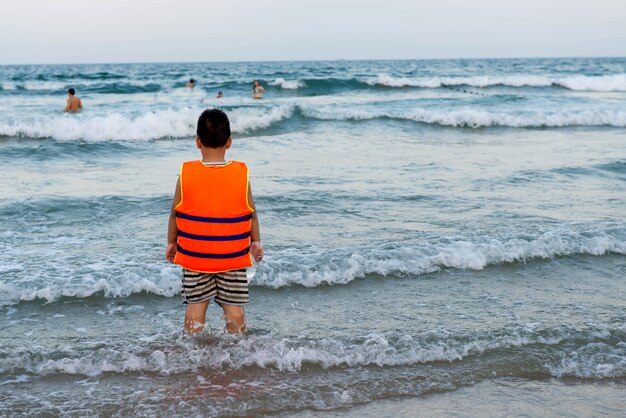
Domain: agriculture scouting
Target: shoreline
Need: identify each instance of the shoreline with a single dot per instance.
(501, 397)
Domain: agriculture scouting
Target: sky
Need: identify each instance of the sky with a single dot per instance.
(94, 31)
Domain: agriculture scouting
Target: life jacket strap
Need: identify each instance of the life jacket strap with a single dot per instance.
(214, 220)
(214, 237)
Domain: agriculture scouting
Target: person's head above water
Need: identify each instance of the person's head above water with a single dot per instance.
(256, 83)
(213, 128)
(71, 91)
(191, 80)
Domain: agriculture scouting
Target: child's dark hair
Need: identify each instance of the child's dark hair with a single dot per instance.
(213, 128)
(71, 91)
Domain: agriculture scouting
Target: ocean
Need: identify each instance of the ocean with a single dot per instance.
(442, 237)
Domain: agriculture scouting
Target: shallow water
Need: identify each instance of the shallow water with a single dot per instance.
(500, 397)
(441, 265)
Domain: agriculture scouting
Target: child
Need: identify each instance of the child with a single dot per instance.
(213, 228)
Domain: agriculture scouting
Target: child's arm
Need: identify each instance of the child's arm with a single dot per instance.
(255, 232)
(172, 230)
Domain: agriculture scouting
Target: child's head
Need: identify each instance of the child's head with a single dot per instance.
(71, 92)
(213, 128)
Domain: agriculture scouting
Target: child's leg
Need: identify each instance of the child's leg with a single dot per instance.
(195, 316)
(235, 318)
(198, 289)
(232, 294)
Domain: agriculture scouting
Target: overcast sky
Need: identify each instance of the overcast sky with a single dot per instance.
(89, 31)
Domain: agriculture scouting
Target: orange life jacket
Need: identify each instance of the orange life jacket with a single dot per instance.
(213, 217)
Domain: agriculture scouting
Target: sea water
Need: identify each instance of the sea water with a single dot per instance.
(441, 237)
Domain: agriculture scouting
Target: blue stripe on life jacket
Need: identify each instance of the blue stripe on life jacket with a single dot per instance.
(213, 237)
(208, 255)
(214, 220)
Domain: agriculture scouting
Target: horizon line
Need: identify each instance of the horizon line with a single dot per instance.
(317, 60)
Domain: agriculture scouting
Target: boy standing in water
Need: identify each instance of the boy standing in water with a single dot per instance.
(74, 104)
(213, 228)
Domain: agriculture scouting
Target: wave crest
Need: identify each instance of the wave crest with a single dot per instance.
(291, 355)
(318, 267)
(417, 260)
(476, 118)
(181, 123)
(287, 84)
(604, 83)
(158, 124)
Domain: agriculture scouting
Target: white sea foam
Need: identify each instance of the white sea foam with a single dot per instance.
(615, 82)
(19, 379)
(246, 119)
(47, 86)
(595, 360)
(181, 123)
(305, 268)
(476, 118)
(168, 123)
(112, 126)
(165, 283)
(287, 84)
(43, 85)
(316, 267)
(8, 86)
(288, 354)
(605, 83)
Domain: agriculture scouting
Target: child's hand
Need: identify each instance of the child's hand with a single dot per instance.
(170, 252)
(256, 249)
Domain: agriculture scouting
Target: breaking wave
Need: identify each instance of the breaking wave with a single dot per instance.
(318, 267)
(604, 83)
(343, 268)
(589, 83)
(181, 123)
(288, 84)
(86, 86)
(477, 118)
(393, 349)
(118, 126)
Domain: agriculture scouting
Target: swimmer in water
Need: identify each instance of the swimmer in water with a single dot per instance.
(74, 104)
(191, 83)
(257, 90)
(219, 95)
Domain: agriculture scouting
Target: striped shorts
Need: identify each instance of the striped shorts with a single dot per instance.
(228, 287)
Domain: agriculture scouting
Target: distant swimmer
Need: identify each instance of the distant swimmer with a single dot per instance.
(257, 90)
(74, 104)
(191, 83)
(219, 95)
